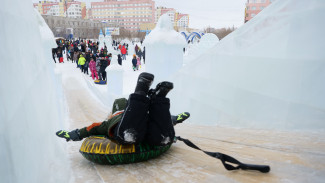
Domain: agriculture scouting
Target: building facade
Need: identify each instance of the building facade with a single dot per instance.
(63, 8)
(253, 7)
(180, 21)
(171, 12)
(127, 14)
(79, 28)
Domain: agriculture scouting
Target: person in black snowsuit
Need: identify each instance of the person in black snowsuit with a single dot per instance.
(119, 59)
(83, 47)
(144, 117)
(87, 62)
(59, 53)
(144, 55)
(75, 48)
(139, 54)
(103, 64)
(54, 50)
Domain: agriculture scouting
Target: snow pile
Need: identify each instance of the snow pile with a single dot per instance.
(270, 73)
(164, 50)
(31, 109)
(207, 42)
(115, 78)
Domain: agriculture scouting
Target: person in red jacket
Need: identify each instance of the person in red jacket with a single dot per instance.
(123, 52)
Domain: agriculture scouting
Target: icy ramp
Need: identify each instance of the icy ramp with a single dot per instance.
(293, 156)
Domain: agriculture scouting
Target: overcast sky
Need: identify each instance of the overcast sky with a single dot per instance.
(204, 13)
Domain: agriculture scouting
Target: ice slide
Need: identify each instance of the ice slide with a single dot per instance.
(184, 164)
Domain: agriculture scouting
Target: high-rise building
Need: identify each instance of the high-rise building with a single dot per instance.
(128, 14)
(253, 7)
(63, 8)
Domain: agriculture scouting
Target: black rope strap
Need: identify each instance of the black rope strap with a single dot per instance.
(225, 159)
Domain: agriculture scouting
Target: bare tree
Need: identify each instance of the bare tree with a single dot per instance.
(221, 33)
(124, 33)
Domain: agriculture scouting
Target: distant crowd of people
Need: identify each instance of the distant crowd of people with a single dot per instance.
(88, 56)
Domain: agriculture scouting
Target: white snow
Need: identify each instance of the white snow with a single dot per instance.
(269, 73)
(165, 140)
(128, 135)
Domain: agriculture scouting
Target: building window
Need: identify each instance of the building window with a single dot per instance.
(253, 8)
(252, 15)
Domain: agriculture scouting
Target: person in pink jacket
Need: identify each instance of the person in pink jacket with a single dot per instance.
(92, 67)
(138, 63)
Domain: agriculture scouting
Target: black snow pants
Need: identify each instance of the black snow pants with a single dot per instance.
(145, 120)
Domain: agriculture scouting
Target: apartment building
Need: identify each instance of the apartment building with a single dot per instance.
(171, 12)
(63, 8)
(128, 14)
(253, 7)
(180, 21)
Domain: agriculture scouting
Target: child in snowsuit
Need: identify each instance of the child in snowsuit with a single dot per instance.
(138, 63)
(144, 117)
(134, 62)
(81, 62)
(92, 67)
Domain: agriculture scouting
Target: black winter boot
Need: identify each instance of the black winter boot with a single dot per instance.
(74, 135)
(144, 82)
(162, 89)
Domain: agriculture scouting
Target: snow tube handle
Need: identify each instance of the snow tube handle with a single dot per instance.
(261, 168)
(226, 159)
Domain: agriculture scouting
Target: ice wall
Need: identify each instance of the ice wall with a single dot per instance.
(30, 99)
(269, 73)
(164, 50)
(195, 50)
